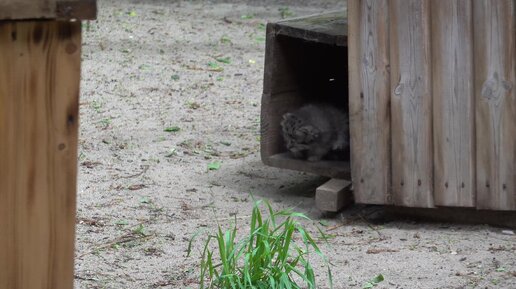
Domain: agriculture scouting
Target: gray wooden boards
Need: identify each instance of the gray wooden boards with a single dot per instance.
(305, 61)
(48, 9)
(433, 102)
(328, 28)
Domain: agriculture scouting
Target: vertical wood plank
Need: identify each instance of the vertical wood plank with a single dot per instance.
(453, 103)
(411, 103)
(39, 92)
(369, 96)
(495, 95)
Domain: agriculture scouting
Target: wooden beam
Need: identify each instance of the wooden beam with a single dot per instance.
(39, 101)
(333, 195)
(76, 9)
(48, 9)
(455, 215)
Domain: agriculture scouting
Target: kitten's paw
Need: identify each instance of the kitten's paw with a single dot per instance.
(314, 158)
(297, 154)
(338, 146)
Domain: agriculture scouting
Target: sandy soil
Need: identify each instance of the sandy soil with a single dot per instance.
(143, 191)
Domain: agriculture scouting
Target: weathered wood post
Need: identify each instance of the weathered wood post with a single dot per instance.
(40, 56)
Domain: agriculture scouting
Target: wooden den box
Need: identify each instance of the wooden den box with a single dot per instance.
(305, 62)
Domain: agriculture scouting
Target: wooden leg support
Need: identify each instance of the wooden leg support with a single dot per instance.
(39, 106)
(333, 195)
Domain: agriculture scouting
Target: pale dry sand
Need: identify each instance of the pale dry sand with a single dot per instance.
(145, 69)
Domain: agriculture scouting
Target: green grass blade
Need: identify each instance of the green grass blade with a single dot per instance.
(268, 257)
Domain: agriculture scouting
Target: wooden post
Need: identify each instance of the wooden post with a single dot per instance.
(39, 98)
(39, 103)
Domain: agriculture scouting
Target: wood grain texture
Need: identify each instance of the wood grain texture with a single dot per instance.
(453, 103)
(48, 9)
(39, 92)
(495, 96)
(411, 103)
(329, 28)
(24, 9)
(369, 94)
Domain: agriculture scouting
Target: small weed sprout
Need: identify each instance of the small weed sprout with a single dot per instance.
(285, 12)
(269, 257)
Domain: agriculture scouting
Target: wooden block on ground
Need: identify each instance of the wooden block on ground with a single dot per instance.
(333, 195)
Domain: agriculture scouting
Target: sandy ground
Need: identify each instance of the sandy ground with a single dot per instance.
(143, 191)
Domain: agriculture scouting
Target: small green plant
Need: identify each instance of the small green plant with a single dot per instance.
(140, 230)
(225, 60)
(373, 282)
(105, 122)
(247, 16)
(274, 255)
(262, 26)
(214, 66)
(171, 153)
(285, 12)
(213, 166)
(172, 129)
(96, 105)
(225, 39)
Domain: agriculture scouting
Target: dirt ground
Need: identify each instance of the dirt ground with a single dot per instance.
(157, 108)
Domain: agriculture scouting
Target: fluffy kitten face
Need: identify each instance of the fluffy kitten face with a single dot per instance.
(314, 132)
(298, 136)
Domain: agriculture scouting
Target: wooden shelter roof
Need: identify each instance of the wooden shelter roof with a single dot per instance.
(48, 9)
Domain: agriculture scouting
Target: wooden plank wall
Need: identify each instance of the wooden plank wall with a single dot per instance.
(369, 85)
(495, 96)
(452, 101)
(39, 100)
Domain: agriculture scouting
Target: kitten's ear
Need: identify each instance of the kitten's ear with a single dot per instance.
(287, 116)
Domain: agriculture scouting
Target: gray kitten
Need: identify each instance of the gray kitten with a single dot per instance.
(313, 131)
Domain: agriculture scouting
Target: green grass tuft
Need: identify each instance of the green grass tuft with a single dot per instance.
(273, 255)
